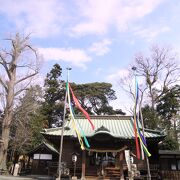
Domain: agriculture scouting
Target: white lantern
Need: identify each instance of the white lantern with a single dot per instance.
(74, 157)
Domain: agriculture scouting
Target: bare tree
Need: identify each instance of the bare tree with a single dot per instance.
(25, 118)
(160, 71)
(157, 73)
(127, 83)
(18, 65)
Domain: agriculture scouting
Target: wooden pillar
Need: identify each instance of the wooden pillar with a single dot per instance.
(83, 165)
(121, 158)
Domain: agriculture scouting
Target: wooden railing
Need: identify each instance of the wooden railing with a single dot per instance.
(144, 166)
(170, 175)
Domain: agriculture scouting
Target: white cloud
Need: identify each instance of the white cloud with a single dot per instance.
(116, 76)
(51, 17)
(88, 28)
(99, 16)
(150, 33)
(41, 17)
(77, 57)
(124, 100)
(100, 48)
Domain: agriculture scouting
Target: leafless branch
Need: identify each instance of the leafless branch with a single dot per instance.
(27, 77)
(19, 92)
(4, 64)
(3, 84)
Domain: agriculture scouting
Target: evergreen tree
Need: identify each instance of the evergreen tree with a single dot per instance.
(54, 96)
(168, 109)
(151, 118)
(95, 98)
(168, 105)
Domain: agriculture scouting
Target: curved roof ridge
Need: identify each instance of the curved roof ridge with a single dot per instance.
(118, 126)
(123, 117)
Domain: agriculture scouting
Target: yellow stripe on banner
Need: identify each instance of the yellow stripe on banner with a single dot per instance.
(74, 125)
(142, 151)
(146, 150)
(78, 135)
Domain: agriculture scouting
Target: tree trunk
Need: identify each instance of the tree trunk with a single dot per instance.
(8, 114)
(4, 147)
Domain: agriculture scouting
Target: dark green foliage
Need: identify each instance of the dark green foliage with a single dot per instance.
(165, 117)
(38, 122)
(95, 97)
(169, 144)
(54, 95)
(151, 118)
(169, 103)
(168, 108)
(52, 84)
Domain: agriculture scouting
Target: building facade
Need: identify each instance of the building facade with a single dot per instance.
(113, 135)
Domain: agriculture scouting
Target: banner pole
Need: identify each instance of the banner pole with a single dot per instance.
(62, 132)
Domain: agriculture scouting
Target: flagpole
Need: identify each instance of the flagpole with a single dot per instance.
(62, 132)
(146, 157)
(142, 123)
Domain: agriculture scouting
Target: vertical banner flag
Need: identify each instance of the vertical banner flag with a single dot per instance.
(74, 121)
(135, 121)
(80, 108)
(140, 140)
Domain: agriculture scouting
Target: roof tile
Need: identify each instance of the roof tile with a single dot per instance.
(119, 127)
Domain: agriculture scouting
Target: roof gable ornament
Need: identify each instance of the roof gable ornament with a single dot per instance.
(67, 128)
(102, 128)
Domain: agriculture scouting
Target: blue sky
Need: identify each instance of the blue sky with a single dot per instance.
(97, 38)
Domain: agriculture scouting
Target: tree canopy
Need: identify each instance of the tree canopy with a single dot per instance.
(95, 97)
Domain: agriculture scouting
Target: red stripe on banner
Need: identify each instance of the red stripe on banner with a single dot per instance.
(80, 108)
(136, 140)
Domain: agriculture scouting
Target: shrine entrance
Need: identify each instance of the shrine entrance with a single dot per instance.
(103, 160)
(105, 163)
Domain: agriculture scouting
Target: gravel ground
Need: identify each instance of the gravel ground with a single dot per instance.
(25, 178)
(14, 178)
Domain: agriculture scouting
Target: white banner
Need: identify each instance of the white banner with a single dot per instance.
(127, 157)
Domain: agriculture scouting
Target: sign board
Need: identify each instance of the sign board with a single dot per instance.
(43, 156)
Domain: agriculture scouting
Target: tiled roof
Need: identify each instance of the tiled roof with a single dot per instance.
(52, 148)
(47, 145)
(116, 126)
